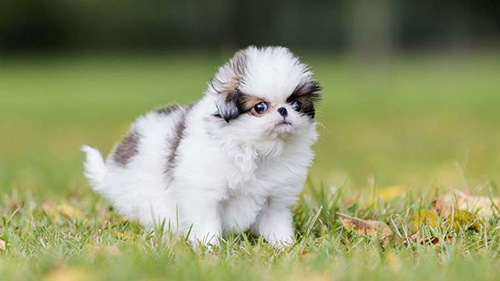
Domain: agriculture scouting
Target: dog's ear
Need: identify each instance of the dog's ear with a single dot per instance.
(225, 87)
(228, 106)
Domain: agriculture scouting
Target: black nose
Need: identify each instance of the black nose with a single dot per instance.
(283, 111)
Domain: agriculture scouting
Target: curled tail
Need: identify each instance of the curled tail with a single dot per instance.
(94, 166)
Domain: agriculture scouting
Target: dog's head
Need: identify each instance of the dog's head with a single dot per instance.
(264, 94)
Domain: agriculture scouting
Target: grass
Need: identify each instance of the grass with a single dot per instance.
(422, 124)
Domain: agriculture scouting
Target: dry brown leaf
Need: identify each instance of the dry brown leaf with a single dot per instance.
(465, 219)
(348, 202)
(2, 245)
(484, 207)
(374, 229)
(104, 212)
(15, 204)
(391, 192)
(429, 240)
(439, 206)
(67, 211)
(458, 218)
(47, 205)
(424, 217)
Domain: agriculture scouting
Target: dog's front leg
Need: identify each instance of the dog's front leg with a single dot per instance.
(274, 223)
(202, 219)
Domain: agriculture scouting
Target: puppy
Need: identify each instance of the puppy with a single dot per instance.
(236, 160)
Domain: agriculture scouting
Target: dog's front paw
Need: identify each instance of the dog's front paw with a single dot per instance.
(282, 243)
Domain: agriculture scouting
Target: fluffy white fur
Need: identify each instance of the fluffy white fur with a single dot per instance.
(227, 176)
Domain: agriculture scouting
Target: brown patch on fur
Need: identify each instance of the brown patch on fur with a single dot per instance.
(166, 110)
(235, 68)
(229, 88)
(189, 107)
(127, 148)
(236, 65)
(175, 141)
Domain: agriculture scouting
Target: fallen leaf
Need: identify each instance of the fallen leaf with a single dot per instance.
(16, 204)
(429, 240)
(439, 206)
(391, 192)
(348, 202)
(484, 207)
(425, 217)
(2, 245)
(465, 219)
(435, 240)
(47, 205)
(374, 229)
(458, 218)
(104, 212)
(67, 211)
(67, 274)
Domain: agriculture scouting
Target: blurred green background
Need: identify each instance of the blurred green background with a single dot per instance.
(411, 88)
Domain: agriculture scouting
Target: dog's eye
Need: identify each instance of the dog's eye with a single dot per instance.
(261, 107)
(297, 105)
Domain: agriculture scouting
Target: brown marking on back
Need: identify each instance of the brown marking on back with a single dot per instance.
(166, 110)
(127, 148)
(175, 141)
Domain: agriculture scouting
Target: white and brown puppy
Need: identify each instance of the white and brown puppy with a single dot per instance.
(235, 160)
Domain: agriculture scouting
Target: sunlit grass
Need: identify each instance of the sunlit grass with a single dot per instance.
(97, 243)
(410, 129)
